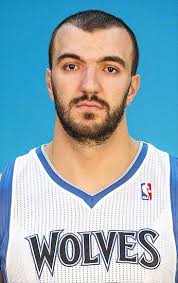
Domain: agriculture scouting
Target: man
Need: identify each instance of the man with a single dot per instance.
(94, 205)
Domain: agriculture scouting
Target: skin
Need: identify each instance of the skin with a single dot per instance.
(89, 166)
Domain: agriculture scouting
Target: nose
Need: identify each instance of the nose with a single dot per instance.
(90, 82)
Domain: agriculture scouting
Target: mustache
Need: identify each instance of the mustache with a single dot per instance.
(88, 98)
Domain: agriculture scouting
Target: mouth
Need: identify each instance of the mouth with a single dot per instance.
(89, 106)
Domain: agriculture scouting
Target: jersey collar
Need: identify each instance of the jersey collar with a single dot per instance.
(91, 200)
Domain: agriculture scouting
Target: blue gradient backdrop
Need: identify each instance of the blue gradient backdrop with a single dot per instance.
(26, 112)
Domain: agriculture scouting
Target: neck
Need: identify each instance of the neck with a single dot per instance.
(95, 166)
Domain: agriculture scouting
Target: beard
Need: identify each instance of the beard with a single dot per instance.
(94, 134)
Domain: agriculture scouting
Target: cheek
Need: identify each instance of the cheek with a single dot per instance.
(65, 88)
(65, 80)
(114, 92)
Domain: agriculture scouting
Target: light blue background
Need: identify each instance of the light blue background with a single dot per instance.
(26, 112)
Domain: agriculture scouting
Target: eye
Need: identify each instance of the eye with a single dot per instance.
(70, 67)
(111, 70)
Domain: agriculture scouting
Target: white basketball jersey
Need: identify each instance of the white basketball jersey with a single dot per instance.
(54, 232)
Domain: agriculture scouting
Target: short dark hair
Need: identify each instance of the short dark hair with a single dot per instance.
(92, 20)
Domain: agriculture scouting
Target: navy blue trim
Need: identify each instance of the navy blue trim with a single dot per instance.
(5, 209)
(92, 200)
(174, 201)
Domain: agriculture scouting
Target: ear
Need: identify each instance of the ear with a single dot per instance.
(48, 83)
(134, 87)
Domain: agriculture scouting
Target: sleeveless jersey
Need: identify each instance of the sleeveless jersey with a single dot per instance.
(54, 232)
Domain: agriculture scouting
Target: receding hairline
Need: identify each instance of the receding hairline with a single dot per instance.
(113, 26)
(91, 21)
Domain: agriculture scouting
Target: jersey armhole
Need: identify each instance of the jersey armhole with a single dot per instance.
(174, 201)
(5, 210)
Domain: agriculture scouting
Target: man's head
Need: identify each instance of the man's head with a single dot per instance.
(93, 58)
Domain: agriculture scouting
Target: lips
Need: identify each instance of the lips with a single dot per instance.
(89, 105)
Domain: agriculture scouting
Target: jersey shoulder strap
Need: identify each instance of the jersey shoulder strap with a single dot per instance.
(174, 200)
(5, 209)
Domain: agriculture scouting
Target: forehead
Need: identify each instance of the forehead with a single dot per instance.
(93, 45)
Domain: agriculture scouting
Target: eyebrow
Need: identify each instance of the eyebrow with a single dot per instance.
(116, 59)
(69, 55)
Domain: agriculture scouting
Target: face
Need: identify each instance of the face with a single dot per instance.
(91, 81)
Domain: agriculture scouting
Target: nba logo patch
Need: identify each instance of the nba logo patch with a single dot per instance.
(146, 191)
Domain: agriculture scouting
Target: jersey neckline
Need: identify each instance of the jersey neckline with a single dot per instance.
(91, 200)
